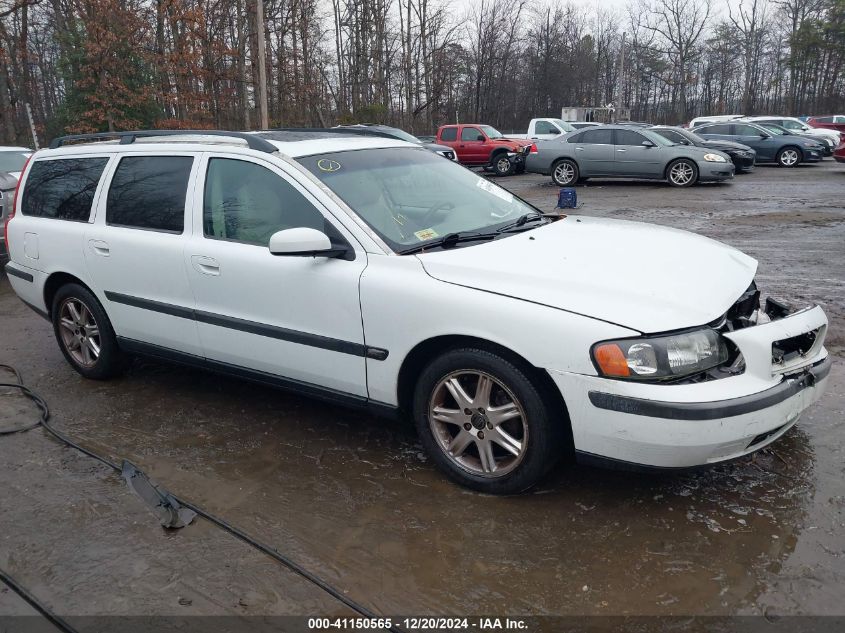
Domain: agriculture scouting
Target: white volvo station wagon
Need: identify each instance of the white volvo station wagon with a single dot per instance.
(375, 273)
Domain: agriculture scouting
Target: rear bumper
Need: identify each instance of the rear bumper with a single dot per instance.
(689, 425)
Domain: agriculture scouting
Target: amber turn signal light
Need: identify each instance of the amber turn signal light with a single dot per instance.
(611, 360)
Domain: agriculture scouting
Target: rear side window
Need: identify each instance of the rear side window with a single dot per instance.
(62, 189)
(148, 192)
(627, 137)
(597, 137)
(718, 128)
(449, 134)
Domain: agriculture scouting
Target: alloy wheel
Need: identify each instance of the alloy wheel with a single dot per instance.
(79, 331)
(681, 173)
(564, 173)
(788, 157)
(485, 433)
(503, 165)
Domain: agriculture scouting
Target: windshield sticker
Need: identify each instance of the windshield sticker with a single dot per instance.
(425, 234)
(489, 187)
(327, 165)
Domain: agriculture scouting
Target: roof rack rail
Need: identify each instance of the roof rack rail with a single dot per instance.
(355, 131)
(253, 141)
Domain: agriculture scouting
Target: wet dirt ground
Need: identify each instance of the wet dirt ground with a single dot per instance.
(353, 499)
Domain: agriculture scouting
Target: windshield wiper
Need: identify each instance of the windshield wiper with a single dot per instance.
(533, 216)
(451, 240)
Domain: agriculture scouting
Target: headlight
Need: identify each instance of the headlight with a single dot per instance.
(660, 357)
(714, 158)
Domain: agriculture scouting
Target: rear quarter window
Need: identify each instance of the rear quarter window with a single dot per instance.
(449, 134)
(62, 189)
(148, 192)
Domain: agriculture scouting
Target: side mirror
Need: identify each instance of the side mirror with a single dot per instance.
(479, 138)
(764, 136)
(648, 144)
(685, 142)
(304, 242)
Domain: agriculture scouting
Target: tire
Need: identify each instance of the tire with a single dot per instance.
(476, 461)
(682, 173)
(502, 165)
(565, 172)
(81, 328)
(789, 156)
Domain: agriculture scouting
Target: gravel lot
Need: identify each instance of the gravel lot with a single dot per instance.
(353, 498)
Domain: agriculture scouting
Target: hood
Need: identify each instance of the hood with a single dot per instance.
(641, 276)
(510, 141)
(726, 145)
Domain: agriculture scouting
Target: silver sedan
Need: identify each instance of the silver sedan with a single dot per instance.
(618, 151)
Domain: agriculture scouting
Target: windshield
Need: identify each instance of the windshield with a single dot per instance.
(411, 196)
(491, 132)
(13, 161)
(563, 125)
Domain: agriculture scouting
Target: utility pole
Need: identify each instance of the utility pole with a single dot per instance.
(262, 65)
(620, 103)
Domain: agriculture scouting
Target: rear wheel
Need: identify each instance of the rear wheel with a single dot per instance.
(789, 157)
(484, 422)
(565, 173)
(84, 333)
(682, 173)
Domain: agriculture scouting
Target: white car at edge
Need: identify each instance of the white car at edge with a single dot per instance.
(371, 272)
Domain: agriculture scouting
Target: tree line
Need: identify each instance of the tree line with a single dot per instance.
(95, 65)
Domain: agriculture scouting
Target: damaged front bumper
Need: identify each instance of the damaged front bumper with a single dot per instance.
(693, 424)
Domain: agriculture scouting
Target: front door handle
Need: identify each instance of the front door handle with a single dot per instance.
(99, 247)
(205, 265)
(622, 150)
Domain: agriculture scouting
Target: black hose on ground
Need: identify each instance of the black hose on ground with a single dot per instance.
(221, 523)
(58, 622)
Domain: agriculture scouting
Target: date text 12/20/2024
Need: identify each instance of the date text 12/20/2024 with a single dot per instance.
(433, 624)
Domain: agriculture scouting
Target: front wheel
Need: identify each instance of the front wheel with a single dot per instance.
(789, 157)
(484, 423)
(682, 173)
(84, 333)
(502, 165)
(565, 173)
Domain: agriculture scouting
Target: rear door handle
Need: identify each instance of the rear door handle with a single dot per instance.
(579, 149)
(622, 150)
(99, 247)
(205, 265)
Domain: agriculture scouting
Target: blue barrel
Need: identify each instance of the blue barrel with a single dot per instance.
(567, 198)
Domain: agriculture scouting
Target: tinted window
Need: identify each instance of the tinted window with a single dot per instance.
(627, 137)
(792, 125)
(470, 134)
(148, 192)
(718, 128)
(598, 136)
(62, 189)
(670, 135)
(746, 130)
(824, 119)
(246, 202)
(449, 134)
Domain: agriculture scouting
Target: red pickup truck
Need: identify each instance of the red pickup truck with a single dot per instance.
(482, 145)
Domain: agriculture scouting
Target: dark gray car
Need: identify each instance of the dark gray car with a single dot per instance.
(771, 145)
(618, 151)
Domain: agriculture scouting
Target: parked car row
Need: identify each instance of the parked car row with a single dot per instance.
(12, 161)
